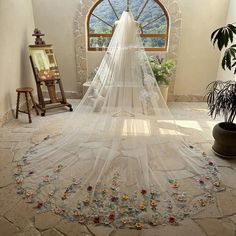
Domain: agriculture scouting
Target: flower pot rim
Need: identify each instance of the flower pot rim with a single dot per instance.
(227, 123)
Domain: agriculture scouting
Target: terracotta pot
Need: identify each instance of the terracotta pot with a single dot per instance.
(164, 91)
(225, 139)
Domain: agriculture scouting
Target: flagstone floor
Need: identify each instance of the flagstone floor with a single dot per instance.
(19, 218)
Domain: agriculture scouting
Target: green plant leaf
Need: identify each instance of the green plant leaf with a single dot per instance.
(232, 28)
(234, 64)
(231, 35)
(228, 59)
(226, 37)
(214, 33)
(219, 32)
(221, 40)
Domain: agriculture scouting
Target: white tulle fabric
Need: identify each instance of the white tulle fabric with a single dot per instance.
(120, 159)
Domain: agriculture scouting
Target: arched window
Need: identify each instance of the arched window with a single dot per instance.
(151, 15)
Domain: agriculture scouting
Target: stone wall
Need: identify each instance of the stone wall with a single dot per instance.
(80, 39)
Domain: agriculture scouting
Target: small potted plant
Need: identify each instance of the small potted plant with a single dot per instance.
(221, 96)
(162, 70)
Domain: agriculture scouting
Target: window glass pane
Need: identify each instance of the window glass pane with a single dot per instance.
(119, 6)
(99, 42)
(136, 6)
(99, 27)
(105, 12)
(157, 27)
(154, 42)
(151, 11)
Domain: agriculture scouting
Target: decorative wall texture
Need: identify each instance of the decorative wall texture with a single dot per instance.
(80, 39)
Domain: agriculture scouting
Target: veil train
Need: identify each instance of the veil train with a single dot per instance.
(121, 160)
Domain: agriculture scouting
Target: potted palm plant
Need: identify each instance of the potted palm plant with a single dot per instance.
(162, 70)
(221, 96)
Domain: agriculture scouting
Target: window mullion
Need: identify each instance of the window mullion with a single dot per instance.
(113, 9)
(142, 10)
(156, 19)
(102, 20)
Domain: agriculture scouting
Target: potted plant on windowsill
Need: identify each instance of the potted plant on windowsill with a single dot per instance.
(221, 96)
(162, 70)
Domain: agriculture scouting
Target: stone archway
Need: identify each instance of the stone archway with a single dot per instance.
(80, 39)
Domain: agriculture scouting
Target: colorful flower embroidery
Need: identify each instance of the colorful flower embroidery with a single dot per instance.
(107, 205)
(125, 197)
(90, 188)
(138, 226)
(96, 220)
(172, 220)
(144, 192)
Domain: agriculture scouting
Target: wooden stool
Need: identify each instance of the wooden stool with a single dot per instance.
(27, 91)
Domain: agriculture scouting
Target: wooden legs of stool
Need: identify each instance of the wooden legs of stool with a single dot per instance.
(27, 94)
(17, 105)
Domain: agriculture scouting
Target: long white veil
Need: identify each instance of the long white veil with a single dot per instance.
(120, 159)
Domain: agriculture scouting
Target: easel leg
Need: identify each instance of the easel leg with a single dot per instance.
(35, 106)
(28, 109)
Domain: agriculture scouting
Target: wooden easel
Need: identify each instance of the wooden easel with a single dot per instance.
(47, 74)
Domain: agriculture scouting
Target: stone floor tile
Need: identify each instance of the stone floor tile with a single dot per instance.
(227, 203)
(209, 211)
(19, 135)
(215, 227)
(46, 220)
(15, 137)
(51, 232)
(71, 228)
(31, 231)
(18, 153)
(127, 232)
(22, 215)
(6, 176)
(23, 130)
(228, 176)
(186, 228)
(7, 228)
(233, 219)
(206, 147)
(222, 162)
(189, 186)
(7, 145)
(100, 231)
(181, 174)
(8, 198)
(6, 157)
(150, 232)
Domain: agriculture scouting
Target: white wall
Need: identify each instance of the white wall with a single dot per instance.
(55, 18)
(198, 61)
(231, 18)
(16, 27)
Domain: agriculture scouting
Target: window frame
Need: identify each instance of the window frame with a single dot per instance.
(144, 35)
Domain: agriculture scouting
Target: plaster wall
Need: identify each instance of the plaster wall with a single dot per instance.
(231, 18)
(16, 27)
(55, 18)
(197, 60)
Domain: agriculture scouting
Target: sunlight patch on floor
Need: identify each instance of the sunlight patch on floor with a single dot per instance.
(192, 124)
(211, 124)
